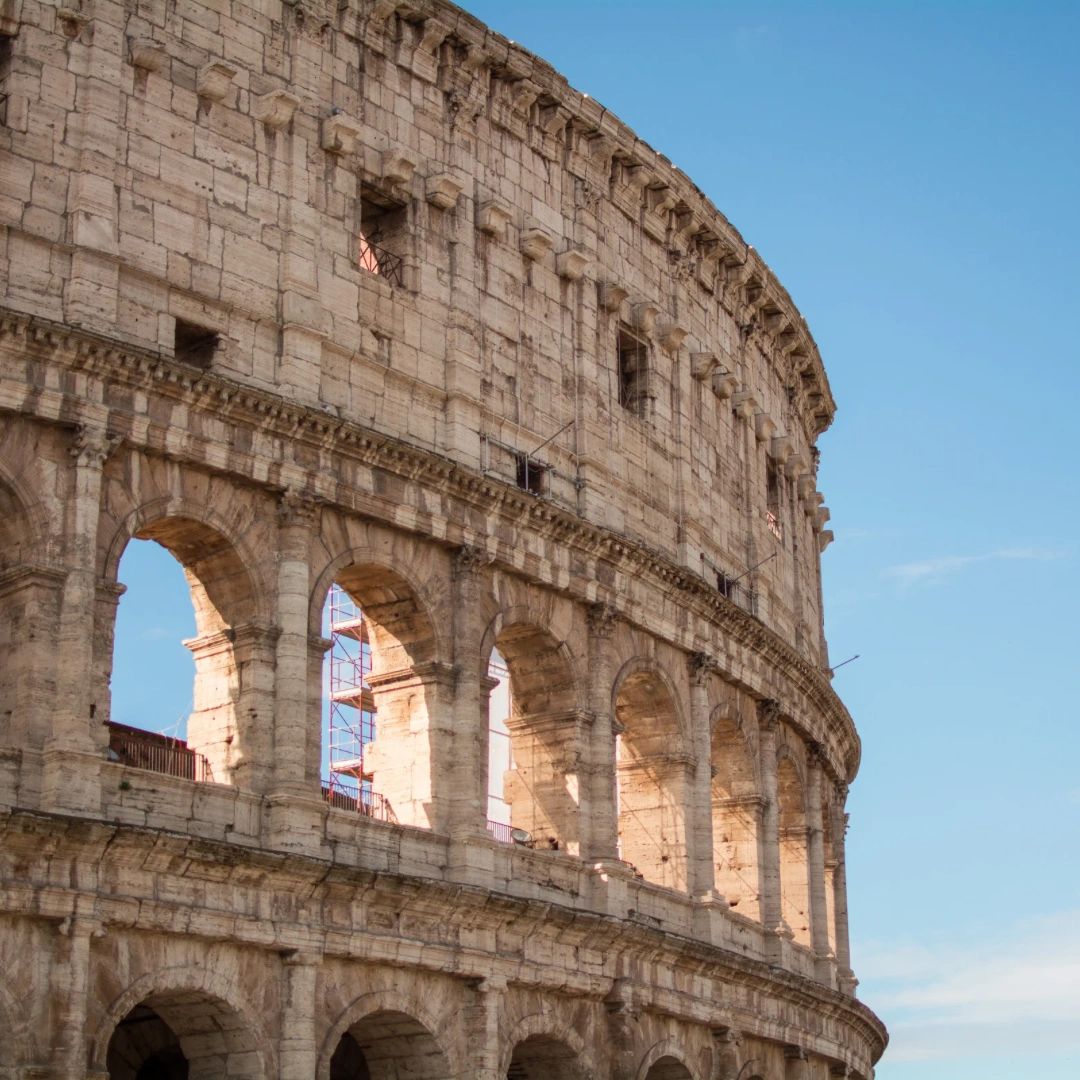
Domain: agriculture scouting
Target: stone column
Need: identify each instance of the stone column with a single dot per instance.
(69, 979)
(298, 1051)
(768, 724)
(796, 1066)
(468, 794)
(296, 519)
(725, 1053)
(600, 826)
(481, 1019)
(845, 976)
(819, 913)
(296, 805)
(701, 874)
(71, 779)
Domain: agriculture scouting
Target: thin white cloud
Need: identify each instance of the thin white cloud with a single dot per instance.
(937, 569)
(944, 1001)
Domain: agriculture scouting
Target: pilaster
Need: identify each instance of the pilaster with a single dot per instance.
(819, 926)
(298, 1051)
(599, 825)
(481, 1018)
(768, 715)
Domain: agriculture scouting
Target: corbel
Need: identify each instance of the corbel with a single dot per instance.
(214, 80)
(643, 316)
(661, 198)
(492, 218)
(797, 466)
(671, 335)
(536, 243)
(812, 502)
(340, 134)
(612, 295)
(779, 449)
(687, 224)
(553, 118)
(724, 383)
(442, 190)
(571, 264)
(147, 54)
(821, 516)
(424, 62)
(702, 365)
(805, 486)
(275, 109)
(764, 426)
(397, 166)
(72, 21)
(744, 404)
(825, 538)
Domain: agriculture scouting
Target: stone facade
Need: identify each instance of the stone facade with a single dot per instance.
(361, 293)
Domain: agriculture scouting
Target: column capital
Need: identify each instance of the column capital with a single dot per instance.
(602, 618)
(768, 714)
(470, 560)
(721, 1033)
(794, 1053)
(297, 508)
(91, 445)
(701, 667)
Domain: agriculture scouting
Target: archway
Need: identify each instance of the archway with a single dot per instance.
(736, 810)
(388, 1045)
(229, 727)
(654, 775)
(543, 1057)
(382, 693)
(182, 1035)
(668, 1068)
(794, 877)
(535, 740)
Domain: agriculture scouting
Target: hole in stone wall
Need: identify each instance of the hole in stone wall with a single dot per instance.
(195, 345)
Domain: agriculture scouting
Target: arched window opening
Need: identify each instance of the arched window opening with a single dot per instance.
(535, 734)
(381, 699)
(388, 1045)
(654, 774)
(541, 1057)
(182, 1035)
(668, 1068)
(736, 809)
(794, 876)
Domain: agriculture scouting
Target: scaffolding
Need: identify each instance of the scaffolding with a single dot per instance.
(351, 720)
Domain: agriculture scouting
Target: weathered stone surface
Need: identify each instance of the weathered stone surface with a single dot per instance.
(362, 293)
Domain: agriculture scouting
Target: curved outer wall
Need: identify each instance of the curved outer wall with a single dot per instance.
(364, 293)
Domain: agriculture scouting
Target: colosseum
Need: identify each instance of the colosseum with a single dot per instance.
(488, 449)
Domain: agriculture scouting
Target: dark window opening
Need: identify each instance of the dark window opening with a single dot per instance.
(531, 475)
(6, 53)
(633, 356)
(772, 493)
(382, 236)
(194, 345)
(725, 585)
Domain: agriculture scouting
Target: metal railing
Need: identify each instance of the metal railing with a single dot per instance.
(507, 834)
(377, 260)
(157, 753)
(366, 803)
(774, 525)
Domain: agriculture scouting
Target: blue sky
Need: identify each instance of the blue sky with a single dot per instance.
(911, 171)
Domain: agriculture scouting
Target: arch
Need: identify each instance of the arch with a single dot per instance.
(664, 1061)
(386, 686)
(794, 848)
(388, 1034)
(534, 1052)
(23, 523)
(654, 770)
(217, 1034)
(736, 814)
(546, 728)
(233, 646)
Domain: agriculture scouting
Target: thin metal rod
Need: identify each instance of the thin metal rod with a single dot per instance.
(552, 439)
(752, 569)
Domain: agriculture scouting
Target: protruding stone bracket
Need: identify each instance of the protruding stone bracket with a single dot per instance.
(72, 21)
(10, 17)
(779, 449)
(612, 295)
(536, 243)
(643, 316)
(571, 264)
(442, 191)
(797, 466)
(215, 80)
(703, 364)
(764, 427)
(340, 134)
(724, 384)
(671, 335)
(275, 110)
(397, 167)
(805, 486)
(147, 54)
(493, 218)
(745, 404)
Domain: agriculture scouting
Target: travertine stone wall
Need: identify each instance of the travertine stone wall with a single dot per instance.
(292, 290)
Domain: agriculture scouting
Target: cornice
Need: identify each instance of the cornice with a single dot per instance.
(101, 357)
